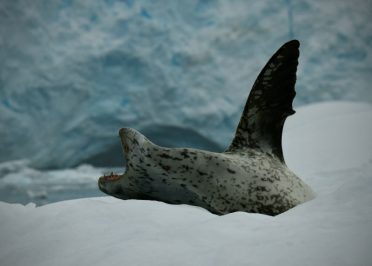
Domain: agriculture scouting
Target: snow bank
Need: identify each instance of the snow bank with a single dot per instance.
(328, 136)
(74, 72)
(334, 157)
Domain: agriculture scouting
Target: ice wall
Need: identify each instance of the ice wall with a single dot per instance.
(73, 72)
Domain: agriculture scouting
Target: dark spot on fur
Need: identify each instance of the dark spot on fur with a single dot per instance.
(266, 179)
(201, 173)
(230, 171)
(135, 141)
(166, 167)
(261, 188)
(164, 155)
(185, 154)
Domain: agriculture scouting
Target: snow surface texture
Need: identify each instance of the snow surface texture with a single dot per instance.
(328, 145)
(73, 72)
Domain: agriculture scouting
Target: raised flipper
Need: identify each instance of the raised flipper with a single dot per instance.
(269, 103)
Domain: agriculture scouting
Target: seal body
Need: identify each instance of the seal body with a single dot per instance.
(250, 175)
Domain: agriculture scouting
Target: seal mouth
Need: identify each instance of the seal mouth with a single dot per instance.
(111, 177)
(125, 135)
(104, 180)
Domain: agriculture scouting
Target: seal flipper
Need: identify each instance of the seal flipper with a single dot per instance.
(269, 103)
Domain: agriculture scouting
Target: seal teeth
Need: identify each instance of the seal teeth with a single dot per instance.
(111, 177)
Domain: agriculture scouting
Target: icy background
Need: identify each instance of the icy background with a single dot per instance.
(327, 144)
(73, 72)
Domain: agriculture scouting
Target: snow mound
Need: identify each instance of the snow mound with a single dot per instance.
(74, 72)
(334, 157)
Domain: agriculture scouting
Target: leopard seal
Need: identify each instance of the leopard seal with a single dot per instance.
(250, 175)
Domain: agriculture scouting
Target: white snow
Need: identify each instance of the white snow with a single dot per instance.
(327, 144)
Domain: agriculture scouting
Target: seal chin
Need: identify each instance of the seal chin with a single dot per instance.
(101, 184)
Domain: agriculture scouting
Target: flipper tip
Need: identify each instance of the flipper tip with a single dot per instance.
(293, 43)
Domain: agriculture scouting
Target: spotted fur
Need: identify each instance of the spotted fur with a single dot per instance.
(250, 175)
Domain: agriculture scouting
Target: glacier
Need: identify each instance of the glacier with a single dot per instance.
(73, 72)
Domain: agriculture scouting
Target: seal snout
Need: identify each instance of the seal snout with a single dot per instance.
(102, 184)
(132, 142)
(135, 149)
